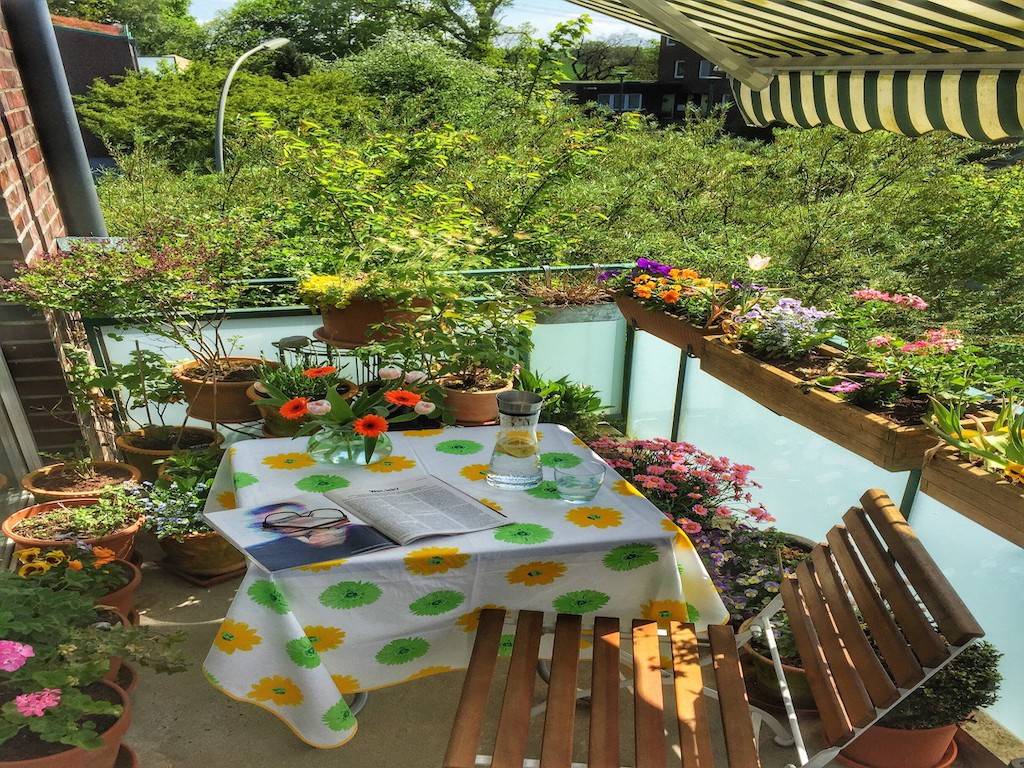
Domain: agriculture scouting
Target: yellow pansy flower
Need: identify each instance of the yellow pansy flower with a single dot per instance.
(289, 461)
(470, 621)
(625, 488)
(391, 464)
(326, 565)
(236, 636)
(1014, 472)
(28, 554)
(475, 471)
(532, 574)
(227, 499)
(346, 684)
(324, 638)
(278, 689)
(431, 560)
(427, 672)
(34, 568)
(54, 556)
(423, 432)
(594, 517)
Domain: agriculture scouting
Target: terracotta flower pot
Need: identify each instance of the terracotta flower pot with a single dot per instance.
(122, 541)
(30, 482)
(123, 599)
(768, 684)
(276, 425)
(350, 325)
(474, 408)
(202, 554)
(218, 401)
(116, 662)
(126, 758)
(147, 460)
(75, 757)
(881, 747)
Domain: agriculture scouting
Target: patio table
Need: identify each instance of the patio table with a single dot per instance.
(295, 641)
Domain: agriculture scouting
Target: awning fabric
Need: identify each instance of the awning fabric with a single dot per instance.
(907, 66)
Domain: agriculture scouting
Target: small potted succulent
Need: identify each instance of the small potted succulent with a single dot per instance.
(919, 732)
(91, 571)
(76, 477)
(284, 383)
(174, 507)
(109, 520)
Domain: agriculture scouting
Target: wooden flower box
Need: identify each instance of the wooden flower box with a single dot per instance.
(666, 327)
(981, 496)
(883, 442)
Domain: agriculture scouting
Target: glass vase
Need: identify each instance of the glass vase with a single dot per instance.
(334, 447)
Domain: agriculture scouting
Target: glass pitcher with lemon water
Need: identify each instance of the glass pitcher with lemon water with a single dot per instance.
(515, 463)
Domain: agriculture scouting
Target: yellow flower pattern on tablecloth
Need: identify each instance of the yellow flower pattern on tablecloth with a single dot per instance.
(227, 499)
(431, 560)
(427, 672)
(594, 517)
(391, 464)
(423, 432)
(475, 471)
(491, 504)
(665, 610)
(533, 574)
(324, 638)
(346, 683)
(470, 621)
(326, 565)
(289, 461)
(682, 540)
(236, 636)
(277, 689)
(625, 488)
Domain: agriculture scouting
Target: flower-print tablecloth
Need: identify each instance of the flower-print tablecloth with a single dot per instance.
(296, 640)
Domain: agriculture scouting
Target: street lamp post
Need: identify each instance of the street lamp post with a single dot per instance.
(218, 139)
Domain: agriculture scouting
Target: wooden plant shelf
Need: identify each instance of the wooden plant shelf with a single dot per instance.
(981, 496)
(666, 327)
(883, 442)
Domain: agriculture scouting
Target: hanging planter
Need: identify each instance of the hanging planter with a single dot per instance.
(982, 496)
(883, 442)
(675, 330)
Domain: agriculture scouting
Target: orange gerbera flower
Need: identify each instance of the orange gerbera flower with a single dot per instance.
(102, 556)
(670, 296)
(402, 397)
(316, 373)
(75, 565)
(295, 408)
(370, 425)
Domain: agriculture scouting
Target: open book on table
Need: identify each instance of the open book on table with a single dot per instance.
(292, 533)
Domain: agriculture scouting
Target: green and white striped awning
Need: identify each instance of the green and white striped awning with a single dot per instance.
(907, 66)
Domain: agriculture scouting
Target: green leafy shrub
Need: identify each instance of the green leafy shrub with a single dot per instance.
(576, 406)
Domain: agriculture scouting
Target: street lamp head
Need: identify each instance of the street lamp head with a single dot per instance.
(274, 43)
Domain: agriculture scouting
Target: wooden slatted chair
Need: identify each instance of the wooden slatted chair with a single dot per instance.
(871, 572)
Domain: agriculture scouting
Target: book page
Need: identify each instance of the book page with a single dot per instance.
(416, 508)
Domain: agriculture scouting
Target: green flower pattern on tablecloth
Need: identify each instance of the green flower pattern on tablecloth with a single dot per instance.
(301, 651)
(629, 557)
(557, 459)
(459, 447)
(546, 490)
(267, 594)
(321, 483)
(505, 645)
(211, 678)
(402, 651)
(242, 479)
(581, 601)
(350, 594)
(339, 717)
(436, 603)
(523, 533)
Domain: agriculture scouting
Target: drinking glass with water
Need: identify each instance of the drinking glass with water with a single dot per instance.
(580, 482)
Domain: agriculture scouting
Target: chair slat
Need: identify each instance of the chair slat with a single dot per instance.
(951, 614)
(830, 708)
(877, 682)
(648, 702)
(925, 641)
(560, 718)
(514, 722)
(740, 741)
(604, 695)
(851, 688)
(464, 741)
(905, 668)
(691, 712)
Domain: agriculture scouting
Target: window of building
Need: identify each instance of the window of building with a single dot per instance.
(708, 70)
(620, 102)
(680, 70)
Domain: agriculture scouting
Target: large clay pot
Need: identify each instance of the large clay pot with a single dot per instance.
(204, 555)
(76, 757)
(350, 325)
(276, 425)
(881, 747)
(148, 460)
(123, 599)
(122, 541)
(768, 684)
(222, 402)
(474, 408)
(29, 482)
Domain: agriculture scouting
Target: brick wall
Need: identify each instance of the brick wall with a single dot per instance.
(30, 222)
